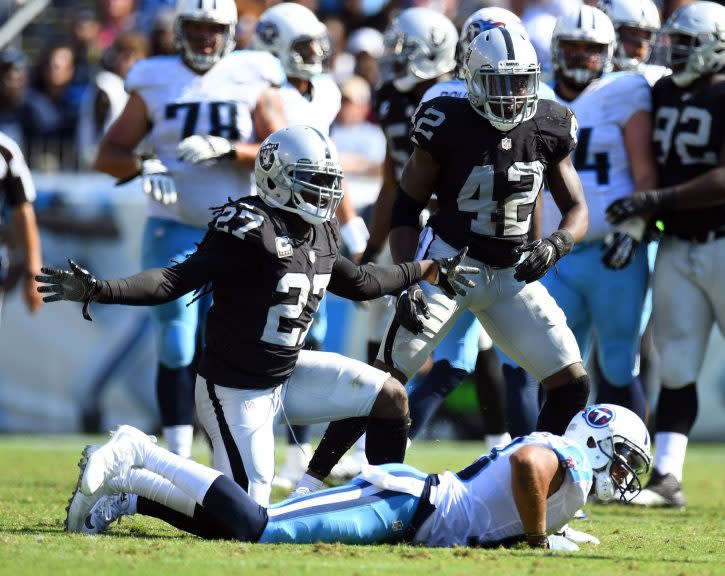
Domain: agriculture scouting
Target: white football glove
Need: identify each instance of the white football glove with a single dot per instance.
(195, 149)
(157, 181)
(577, 536)
(561, 544)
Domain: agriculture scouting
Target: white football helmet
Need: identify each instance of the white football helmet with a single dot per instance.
(222, 12)
(502, 74)
(420, 44)
(584, 24)
(641, 14)
(617, 444)
(293, 34)
(694, 38)
(485, 19)
(297, 169)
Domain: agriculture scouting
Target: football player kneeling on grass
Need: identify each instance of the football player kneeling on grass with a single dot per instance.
(523, 492)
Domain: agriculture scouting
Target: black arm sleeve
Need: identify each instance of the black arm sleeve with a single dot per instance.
(160, 285)
(370, 281)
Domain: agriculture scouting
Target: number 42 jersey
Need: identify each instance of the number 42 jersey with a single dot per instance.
(489, 180)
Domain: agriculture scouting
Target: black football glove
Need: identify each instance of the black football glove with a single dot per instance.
(451, 275)
(639, 203)
(410, 307)
(78, 285)
(543, 254)
(618, 250)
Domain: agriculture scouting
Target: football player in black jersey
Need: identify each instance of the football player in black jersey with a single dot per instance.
(268, 262)
(688, 295)
(486, 160)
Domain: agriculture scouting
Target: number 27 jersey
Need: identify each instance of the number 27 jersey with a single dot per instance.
(489, 180)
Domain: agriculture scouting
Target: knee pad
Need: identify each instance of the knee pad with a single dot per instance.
(177, 344)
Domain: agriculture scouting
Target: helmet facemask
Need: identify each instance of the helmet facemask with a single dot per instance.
(574, 59)
(307, 56)
(221, 39)
(316, 190)
(398, 63)
(633, 35)
(691, 56)
(626, 468)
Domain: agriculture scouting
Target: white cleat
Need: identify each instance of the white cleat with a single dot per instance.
(348, 467)
(116, 457)
(107, 510)
(79, 504)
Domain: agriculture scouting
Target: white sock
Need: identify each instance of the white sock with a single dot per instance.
(670, 448)
(179, 439)
(154, 487)
(359, 446)
(497, 439)
(191, 477)
(310, 482)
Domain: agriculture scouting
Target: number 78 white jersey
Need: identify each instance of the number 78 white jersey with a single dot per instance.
(219, 102)
(476, 505)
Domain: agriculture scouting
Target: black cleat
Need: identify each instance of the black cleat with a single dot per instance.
(662, 490)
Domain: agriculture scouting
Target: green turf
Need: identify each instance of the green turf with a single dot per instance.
(38, 474)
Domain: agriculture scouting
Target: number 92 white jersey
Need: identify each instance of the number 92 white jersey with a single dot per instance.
(476, 505)
(219, 102)
(600, 158)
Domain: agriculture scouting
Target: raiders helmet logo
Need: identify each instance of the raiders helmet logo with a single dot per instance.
(267, 32)
(266, 155)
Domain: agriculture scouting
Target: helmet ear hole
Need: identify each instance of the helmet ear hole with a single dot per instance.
(591, 443)
(270, 183)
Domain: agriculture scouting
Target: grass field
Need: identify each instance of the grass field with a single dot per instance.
(38, 474)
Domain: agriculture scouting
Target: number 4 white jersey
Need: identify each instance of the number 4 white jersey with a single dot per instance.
(600, 158)
(319, 111)
(476, 505)
(219, 102)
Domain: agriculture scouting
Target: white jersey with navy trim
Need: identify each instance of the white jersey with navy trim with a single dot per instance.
(601, 158)
(457, 88)
(476, 505)
(218, 102)
(319, 111)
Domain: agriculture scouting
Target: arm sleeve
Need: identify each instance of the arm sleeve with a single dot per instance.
(160, 285)
(370, 281)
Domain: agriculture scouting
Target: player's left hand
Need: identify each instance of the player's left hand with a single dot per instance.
(543, 254)
(195, 149)
(78, 285)
(410, 307)
(452, 276)
(636, 204)
(618, 250)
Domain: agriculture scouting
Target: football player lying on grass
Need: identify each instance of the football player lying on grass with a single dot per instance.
(518, 493)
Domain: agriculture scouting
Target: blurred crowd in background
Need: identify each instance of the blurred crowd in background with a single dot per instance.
(61, 80)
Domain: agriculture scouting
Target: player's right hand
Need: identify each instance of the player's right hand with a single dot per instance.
(78, 285)
(157, 181)
(410, 308)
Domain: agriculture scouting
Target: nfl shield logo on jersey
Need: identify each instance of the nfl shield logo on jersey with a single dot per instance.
(284, 248)
(506, 144)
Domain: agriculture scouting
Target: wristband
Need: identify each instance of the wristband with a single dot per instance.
(355, 235)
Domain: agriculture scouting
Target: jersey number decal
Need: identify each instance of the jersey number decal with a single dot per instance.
(285, 325)
(696, 126)
(511, 214)
(601, 159)
(222, 118)
(431, 117)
